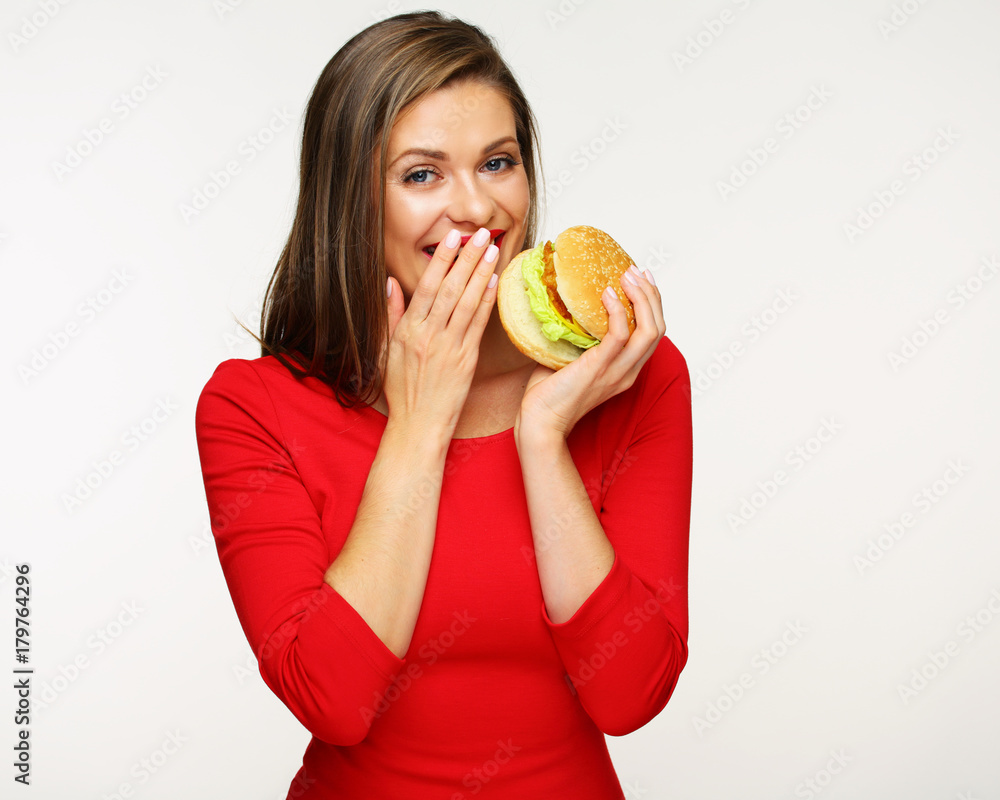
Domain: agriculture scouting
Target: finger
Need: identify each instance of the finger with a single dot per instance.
(394, 309)
(617, 336)
(454, 283)
(603, 353)
(471, 300)
(655, 301)
(430, 281)
(648, 328)
(485, 307)
(640, 292)
(396, 306)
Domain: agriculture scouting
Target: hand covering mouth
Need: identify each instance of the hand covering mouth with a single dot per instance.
(496, 240)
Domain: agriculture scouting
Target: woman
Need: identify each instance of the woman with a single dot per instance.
(457, 568)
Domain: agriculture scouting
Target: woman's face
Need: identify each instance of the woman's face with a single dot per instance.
(468, 175)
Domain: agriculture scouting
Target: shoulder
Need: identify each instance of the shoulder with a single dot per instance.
(241, 377)
(267, 389)
(250, 384)
(665, 370)
(254, 375)
(665, 374)
(664, 367)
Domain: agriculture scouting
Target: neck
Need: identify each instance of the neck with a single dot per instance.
(497, 357)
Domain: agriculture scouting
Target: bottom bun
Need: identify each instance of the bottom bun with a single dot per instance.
(521, 324)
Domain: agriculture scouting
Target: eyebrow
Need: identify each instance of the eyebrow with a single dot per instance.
(442, 156)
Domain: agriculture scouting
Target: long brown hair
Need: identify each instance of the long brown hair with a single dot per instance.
(325, 305)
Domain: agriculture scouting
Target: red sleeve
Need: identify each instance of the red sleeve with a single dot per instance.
(315, 652)
(626, 645)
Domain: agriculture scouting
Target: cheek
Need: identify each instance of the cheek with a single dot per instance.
(518, 197)
(406, 225)
(407, 218)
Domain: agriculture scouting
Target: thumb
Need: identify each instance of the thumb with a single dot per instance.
(538, 374)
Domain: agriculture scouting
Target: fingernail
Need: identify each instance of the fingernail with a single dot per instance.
(452, 238)
(628, 277)
(649, 275)
(388, 287)
(491, 253)
(493, 280)
(481, 237)
(609, 293)
(634, 270)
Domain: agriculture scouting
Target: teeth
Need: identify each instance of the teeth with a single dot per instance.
(433, 247)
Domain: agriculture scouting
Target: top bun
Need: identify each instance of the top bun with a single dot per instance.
(585, 260)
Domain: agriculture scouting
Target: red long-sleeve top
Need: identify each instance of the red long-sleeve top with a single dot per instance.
(492, 699)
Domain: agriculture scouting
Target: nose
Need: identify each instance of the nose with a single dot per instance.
(470, 203)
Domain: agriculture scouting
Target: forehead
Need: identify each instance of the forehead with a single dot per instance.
(463, 113)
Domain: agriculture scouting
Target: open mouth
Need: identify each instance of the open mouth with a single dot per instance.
(429, 251)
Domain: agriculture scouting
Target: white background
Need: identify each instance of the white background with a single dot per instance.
(639, 143)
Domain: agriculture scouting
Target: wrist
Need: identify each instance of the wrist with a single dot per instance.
(420, 440)
(535, 439)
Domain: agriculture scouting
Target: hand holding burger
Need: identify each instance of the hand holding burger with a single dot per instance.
(552, 304)
(549, 297)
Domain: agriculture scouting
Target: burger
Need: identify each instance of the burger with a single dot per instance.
(549, 296)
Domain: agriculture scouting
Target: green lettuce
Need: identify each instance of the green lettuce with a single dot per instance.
(553, 326)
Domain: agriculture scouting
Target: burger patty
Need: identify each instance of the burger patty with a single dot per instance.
(549, 279)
